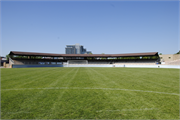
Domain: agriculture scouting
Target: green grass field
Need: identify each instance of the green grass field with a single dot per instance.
(89, 93)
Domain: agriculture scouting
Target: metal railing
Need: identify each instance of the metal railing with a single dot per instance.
(11, 60)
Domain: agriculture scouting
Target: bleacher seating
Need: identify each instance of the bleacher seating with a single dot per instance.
(98, 62)
(18, 62)
(133, 62)
(23, 62)
(124, 62)
(174, 62)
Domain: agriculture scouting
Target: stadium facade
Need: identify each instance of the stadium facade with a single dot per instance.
(33, 59)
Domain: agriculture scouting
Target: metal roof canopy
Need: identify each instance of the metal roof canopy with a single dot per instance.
(82, 55)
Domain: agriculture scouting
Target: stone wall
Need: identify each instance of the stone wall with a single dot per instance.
(169, 57)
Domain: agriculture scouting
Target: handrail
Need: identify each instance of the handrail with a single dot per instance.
(11, 60)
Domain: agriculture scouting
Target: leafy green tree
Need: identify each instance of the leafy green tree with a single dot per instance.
(7, 57)
(178, 52)
(103, 57)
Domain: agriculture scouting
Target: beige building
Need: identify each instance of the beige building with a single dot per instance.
(169, 57)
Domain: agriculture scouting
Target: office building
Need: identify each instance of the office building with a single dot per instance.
(76, 49)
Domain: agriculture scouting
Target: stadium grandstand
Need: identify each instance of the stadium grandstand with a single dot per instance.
(33, 59)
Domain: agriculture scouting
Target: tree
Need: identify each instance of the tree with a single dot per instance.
(103, 57)
(178, 52)
(7, 57)
(160, 53)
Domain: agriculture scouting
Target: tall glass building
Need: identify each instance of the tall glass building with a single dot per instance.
(76, 49)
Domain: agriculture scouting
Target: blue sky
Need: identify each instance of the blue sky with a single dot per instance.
(109, 27)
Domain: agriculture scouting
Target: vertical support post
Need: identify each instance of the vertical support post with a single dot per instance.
(4, 64)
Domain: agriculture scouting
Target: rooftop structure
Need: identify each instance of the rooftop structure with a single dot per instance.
(82, 55)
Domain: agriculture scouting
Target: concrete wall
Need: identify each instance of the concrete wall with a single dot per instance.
(150, 66)
(176, 56)
(135, 66)
(88, 65)
(169, 57)
(27, 66)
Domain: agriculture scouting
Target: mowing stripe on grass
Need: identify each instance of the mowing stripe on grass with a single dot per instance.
(128, 110)
(53, 88)
(97, 111)
(61, 95)
(17, 112)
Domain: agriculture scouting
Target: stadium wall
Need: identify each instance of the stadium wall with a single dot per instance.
(27, 66)
(150, 66)
(88, 65)
(169, 57)
(135, 66)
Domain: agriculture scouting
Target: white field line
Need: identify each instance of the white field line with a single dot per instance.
(128, 110)
(59, 98)
(53, 88)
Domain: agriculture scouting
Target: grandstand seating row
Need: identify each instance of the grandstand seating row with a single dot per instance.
(135, 63)
(90, 62)
(18, 62)
(175, 62)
